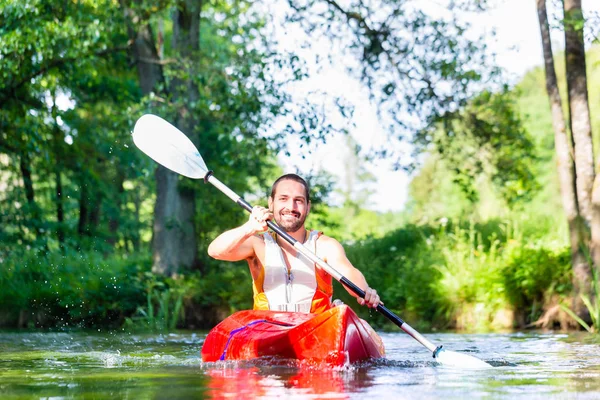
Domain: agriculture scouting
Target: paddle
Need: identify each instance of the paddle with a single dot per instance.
(171, 148)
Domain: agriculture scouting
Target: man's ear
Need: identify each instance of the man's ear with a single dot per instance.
(308, 209)
(270, 204)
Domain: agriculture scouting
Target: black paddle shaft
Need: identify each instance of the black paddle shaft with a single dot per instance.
(343, 280)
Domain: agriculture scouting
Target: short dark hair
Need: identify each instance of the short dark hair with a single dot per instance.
(291, 177)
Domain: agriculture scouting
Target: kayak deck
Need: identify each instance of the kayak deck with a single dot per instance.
(336, 336)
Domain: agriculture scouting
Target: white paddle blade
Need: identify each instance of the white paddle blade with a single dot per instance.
(168, 146)
(461, 360)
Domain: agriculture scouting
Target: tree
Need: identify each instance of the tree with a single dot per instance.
(564, 161)
(45, 45)
(174, 238)
(220, 83)
(580, 126)
(575, 163)
(417, 67)
(355, 189)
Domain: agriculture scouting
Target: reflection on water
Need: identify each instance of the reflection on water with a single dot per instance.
(270, 378)
(120, 365)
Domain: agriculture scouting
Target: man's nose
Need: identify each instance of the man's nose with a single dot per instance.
(290, 205)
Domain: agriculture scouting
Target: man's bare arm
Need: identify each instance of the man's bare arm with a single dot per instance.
(335, 256)
(238, 243)
(233, 245)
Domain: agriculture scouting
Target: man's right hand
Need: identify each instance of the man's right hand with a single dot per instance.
(257, 223)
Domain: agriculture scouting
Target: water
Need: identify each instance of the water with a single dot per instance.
(121, 365)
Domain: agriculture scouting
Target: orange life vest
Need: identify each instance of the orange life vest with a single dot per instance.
(304, 288)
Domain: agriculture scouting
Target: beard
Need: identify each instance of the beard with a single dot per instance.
(290, 222)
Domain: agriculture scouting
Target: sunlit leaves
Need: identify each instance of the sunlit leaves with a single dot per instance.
(37, 36)
(486, 138)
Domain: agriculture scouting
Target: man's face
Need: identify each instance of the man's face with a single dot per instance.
(289, 205)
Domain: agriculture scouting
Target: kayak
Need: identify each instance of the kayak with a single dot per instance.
(336, 337)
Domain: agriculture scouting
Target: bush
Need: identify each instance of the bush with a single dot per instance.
(463, 275)
(71, 289)
(532, 275)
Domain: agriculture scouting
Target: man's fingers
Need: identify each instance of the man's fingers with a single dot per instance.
(261, 214)
(258, 218)
(371, 298)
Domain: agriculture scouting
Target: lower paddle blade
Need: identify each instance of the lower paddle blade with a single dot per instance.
(461, 360)
(168, 146)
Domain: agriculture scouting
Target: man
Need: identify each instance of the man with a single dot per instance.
(284, 279)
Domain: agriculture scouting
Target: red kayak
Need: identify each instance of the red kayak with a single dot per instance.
(336, 337)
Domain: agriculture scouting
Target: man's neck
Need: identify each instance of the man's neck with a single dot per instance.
(300, 235)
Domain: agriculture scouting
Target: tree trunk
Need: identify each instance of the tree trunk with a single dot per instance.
(33, 210)
(135, 235)
(27, 181)
(578, 105)
(82, 225)
(566, 168)
(579, 114)
(174, 237)
(94, 214)
(60, 213)
(174, 232)
(173, 240)
(57, 147)
(115, 215)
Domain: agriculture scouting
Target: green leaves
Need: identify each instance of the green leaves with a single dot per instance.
(487, 138)
(38, 36)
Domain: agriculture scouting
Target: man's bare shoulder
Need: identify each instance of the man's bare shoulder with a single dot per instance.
(327, 239)
(256, 240)
(258, 245)
(328, 243)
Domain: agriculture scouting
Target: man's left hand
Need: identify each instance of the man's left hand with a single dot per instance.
(371, 299)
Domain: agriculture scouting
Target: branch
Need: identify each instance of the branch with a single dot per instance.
(352, 16)
(157, 62)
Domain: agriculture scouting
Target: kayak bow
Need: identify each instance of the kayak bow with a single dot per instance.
(335, 337)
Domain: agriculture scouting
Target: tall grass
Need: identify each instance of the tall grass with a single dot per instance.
(164, 308)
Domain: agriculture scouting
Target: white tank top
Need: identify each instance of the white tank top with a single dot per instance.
(291, 290)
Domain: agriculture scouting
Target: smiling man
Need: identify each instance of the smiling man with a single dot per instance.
(284, 279)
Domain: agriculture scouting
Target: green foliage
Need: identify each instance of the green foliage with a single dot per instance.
(437, 190)
(76, 199)
(487, 138)
(88, 290)
(70, 175)
(535, 273)
(467, 275)
(227, 286)
(72, 289)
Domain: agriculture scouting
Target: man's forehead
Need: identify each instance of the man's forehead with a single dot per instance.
(290, 187)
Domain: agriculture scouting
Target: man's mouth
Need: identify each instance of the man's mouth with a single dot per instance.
(291, 215)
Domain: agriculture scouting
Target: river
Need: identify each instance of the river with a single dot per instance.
(96, 365)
